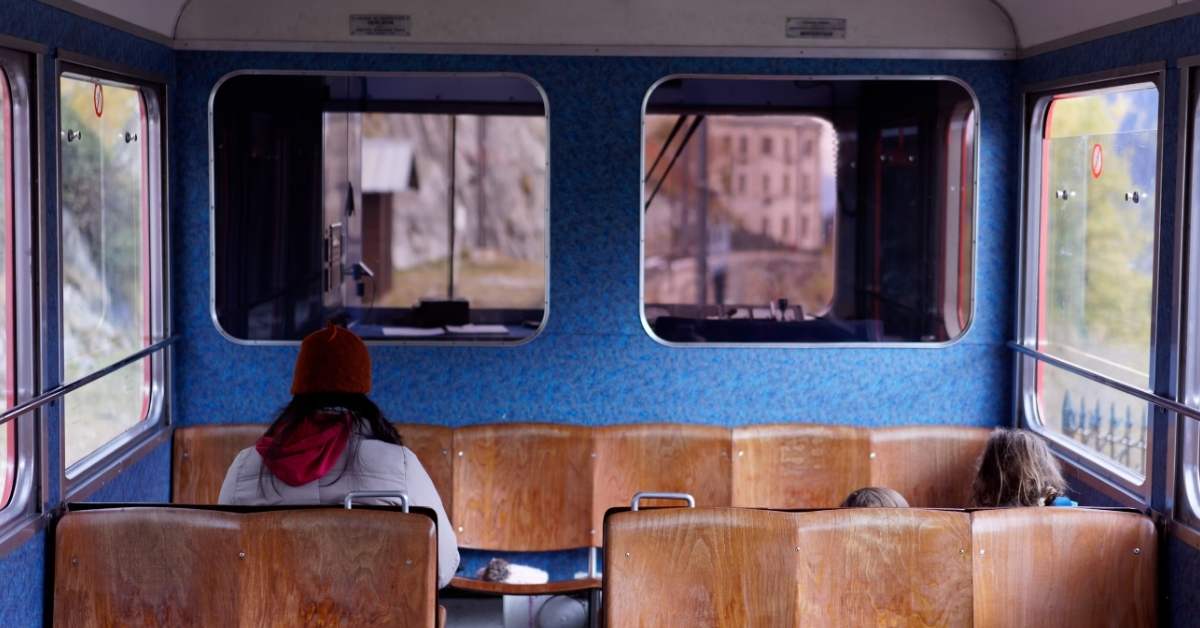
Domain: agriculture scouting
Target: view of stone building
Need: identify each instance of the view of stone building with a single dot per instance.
(741, 217)
(769, 176)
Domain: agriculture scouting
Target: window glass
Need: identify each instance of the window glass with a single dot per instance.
(105, 210)
(785, 211)
(750, 255)
(410, 208)
(1095, 262)
(8, 450)
(499, 235)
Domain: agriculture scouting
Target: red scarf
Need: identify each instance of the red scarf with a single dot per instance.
(310, 450)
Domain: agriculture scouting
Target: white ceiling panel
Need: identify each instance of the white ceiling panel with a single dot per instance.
(905, 24)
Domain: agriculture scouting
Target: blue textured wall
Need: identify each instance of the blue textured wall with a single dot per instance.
(594, 363)
(21, 570)
(1165, 43)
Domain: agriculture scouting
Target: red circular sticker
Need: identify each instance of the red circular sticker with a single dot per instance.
(1097, 161)
(98, 99)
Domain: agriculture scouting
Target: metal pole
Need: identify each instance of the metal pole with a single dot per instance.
(450, 205)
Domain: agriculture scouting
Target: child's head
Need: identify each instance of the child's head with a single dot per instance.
(875, 497)
(1016, 469)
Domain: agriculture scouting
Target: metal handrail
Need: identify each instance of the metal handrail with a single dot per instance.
(637, 499)
(348, 503)
(63, 389)
(1133, 391)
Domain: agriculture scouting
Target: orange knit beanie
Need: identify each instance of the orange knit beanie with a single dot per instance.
(332, 360)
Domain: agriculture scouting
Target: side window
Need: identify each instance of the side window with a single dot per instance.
(1188, 501)
(8, 431)
(865, 236)
(1090, 259)
(413, 208)
(18, 434)
(109, 208)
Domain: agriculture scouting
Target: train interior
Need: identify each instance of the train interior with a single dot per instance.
(648, 289)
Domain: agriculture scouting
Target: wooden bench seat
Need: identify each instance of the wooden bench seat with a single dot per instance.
(168, 566)
(1061, 567)
(520, 487)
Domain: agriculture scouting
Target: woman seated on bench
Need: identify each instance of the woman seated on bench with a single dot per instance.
(1017, 469)
(331, 440)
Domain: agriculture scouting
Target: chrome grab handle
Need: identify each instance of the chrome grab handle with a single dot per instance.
(683, 497)
(353, 495)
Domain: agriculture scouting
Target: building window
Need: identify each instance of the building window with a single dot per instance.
(111, 210)
(787, 150)
(743, 146)
(1090, 259)
(766, 272)
(432, 213)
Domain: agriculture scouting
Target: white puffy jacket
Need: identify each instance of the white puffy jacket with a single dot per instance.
(380, 467)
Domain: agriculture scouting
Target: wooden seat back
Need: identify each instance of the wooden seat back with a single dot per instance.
(202, 454)
(701, 567)
(1063, 567)
(159, 566)
(798, 465)
(932, 466)
(662, 458)
(523, 487)
(884, 567)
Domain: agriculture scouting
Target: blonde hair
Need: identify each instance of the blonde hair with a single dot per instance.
(1016, 469)
(875, 497)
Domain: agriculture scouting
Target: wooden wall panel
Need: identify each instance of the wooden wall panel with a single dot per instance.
(523, 486)
(1063, 567)
(201, 456)
(931, 466)
(673, 458)
(884, 567)
(721, 567)
(798, 465)
(191, 567)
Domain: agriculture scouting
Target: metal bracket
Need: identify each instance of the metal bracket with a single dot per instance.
(353, 495)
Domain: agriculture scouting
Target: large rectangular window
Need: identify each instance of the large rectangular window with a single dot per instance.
(409, 207)
(806, 211)
(1090, 258)
(110, 208)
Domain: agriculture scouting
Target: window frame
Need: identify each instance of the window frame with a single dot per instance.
(95, 468)
(1109, 478)
(1183, 486)
(743, 157)
(25, 513)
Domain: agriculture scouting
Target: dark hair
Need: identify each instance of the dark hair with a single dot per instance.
(368, 421)
(1016, 469)
(875, 497)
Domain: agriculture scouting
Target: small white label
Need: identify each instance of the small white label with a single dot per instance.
(816, 28)
(380, 25)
